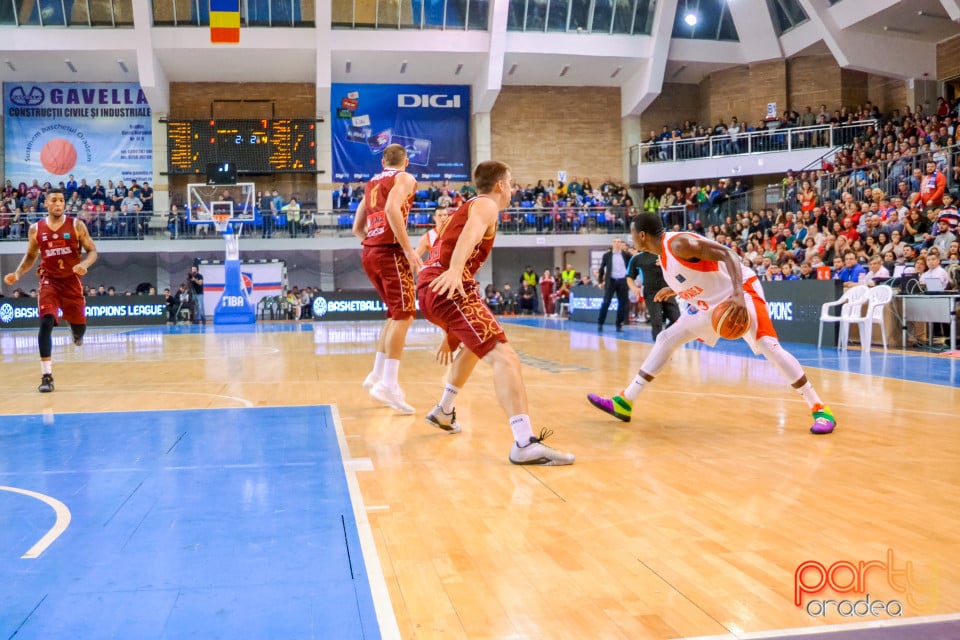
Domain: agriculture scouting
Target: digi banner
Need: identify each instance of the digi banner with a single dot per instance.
(88, 130)
(431, 121)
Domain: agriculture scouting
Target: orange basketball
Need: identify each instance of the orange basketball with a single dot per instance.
(729, 321)
(58, 156)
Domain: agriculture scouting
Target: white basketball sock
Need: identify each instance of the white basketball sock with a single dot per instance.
(391, 370)
(449, 398)
(522, 429)
(634, 388)
(378, 364)
(810, 395)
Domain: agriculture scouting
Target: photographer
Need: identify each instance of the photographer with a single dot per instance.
(195, 279)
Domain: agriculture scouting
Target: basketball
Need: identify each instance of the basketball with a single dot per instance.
(730, 322)
(58, 156)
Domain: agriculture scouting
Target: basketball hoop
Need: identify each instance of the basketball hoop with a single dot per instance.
(230, 233)
(221, 221)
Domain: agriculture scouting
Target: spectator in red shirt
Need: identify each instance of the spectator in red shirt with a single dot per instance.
(849, 230)
(932, 187)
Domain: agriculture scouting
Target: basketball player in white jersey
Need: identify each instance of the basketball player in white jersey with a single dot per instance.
(704, 273)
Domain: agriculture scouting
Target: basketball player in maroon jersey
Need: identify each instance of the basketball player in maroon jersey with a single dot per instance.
(390, 261)
(451, 299)
(57, 240)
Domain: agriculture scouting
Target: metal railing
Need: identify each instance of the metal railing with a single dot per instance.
(339, 222)
(746, 142)
(331, 223)
(885, 175)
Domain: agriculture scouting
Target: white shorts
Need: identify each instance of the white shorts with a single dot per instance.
(700, 324)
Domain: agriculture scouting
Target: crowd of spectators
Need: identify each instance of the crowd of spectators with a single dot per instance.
(112, 209)
(692, 140)
(885, 198)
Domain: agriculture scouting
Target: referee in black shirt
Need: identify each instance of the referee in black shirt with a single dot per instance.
(647, 265)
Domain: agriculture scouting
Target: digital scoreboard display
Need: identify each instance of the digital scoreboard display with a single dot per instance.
(254, 146)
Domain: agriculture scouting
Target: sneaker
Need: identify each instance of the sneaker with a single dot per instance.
(823, 422)
(537, 453)
(617, 406)
(78, 341)
(446, 421)
(46, 383)
(390, 396)
(370, 380)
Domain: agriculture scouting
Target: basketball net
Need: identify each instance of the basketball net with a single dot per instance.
(222, 222)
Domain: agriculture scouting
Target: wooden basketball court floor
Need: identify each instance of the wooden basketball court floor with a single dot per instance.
(240, 484)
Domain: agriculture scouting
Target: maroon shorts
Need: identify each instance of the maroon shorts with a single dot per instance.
(63, 294)
(466, 319)
(391, 275)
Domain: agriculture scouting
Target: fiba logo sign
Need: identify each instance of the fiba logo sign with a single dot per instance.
(319, 307)
(6, 312)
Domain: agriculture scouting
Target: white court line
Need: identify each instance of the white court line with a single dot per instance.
(61, 524)
(830, 628)
(389, 629)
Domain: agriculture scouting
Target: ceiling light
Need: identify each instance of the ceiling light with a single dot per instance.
(70, 65)
(616, 72)
(513, 68)
(459, 69)
(10, 64)
(403, 67)
(347, 66)
(690, 19)
(123, 66)
(564, 71)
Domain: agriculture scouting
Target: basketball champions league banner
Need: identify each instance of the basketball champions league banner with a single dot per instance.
(88, 130)
(431, 121)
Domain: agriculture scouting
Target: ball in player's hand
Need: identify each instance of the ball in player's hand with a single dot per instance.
(730, 321)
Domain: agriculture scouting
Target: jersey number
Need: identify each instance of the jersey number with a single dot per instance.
(60, 262)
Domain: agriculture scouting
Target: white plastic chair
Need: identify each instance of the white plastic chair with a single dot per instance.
(877, 299)
(850, 303)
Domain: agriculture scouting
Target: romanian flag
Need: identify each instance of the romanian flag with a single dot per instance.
(225, 21)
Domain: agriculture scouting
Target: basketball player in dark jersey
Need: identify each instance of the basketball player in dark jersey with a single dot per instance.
(57, 240)
(390, 261)
(451, 299)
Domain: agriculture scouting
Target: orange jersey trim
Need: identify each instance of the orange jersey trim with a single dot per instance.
(703, 266)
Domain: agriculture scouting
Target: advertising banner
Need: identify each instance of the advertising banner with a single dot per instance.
(795, 306)
(102, 311)
(88, 130)
(431, 121)
(261, 280)
(350, 305)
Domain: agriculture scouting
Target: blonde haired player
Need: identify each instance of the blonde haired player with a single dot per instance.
(699, 271)
(390, 261)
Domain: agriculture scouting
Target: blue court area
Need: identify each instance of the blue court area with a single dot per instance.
(220, 523)
(914, 366)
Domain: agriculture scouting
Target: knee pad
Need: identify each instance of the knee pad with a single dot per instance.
(78, 331)
(45, 337)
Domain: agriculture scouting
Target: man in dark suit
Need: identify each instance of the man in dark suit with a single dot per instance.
(613, 279)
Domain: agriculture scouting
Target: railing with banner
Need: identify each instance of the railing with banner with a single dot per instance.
(514, 221)
(777, 140)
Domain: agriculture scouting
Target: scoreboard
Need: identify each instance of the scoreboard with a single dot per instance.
(254, 146)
